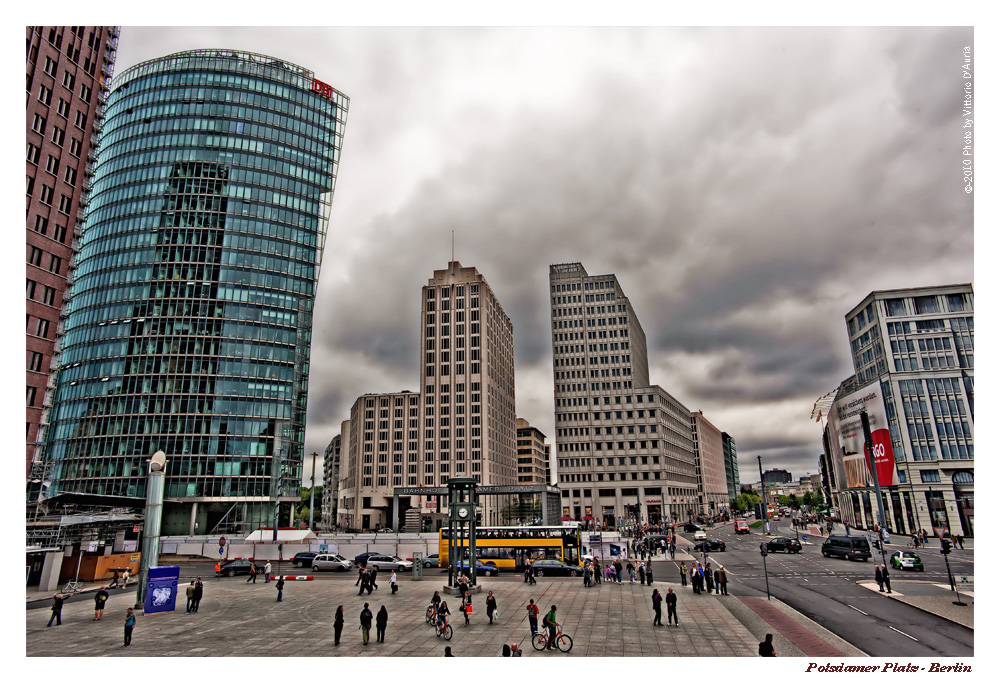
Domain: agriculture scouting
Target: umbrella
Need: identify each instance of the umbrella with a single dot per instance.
(588, 518)
(565, 518)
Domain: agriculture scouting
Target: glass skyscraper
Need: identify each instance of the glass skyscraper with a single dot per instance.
(188, 325)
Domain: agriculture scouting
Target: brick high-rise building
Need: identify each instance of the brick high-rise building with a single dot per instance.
(532, 460)
(709, 451)
(68, 73)
(623, 446)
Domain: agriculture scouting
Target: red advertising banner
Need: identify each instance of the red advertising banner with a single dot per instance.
(885, 464)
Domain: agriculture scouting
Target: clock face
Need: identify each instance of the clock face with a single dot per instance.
(463, 512)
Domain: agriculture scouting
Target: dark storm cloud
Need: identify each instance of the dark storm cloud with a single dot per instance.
(747, 187)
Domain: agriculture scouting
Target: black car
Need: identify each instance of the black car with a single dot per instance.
(689, 527)
(363, 558)
(710, 545)
(555, 568)
(784, 544)
(303, 559)
(236, 567)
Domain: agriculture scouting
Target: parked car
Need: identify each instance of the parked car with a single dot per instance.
(388, 562)
(432, 560)
(555, 568)
(689, 527)
(363, 558)
(482, 569)
(847, 547)
(784, 544)
(236, 567)
(700, 535)
(906, 559)
(741, 527)
(334, 563)
(303, 559)
(710, 545)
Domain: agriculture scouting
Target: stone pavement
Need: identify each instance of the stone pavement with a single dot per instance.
(930, 597)
(240, 619)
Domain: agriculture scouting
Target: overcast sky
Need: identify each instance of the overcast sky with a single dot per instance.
(747, 186)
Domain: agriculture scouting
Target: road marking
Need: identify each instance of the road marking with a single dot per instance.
(905, 634)
(864, 613)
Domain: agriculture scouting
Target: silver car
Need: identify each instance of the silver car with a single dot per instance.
(331, 563)
(388, 563)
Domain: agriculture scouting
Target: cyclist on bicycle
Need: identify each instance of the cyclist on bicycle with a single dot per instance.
(435, 602)
(442, 612)
(550, 623)
(916, 540)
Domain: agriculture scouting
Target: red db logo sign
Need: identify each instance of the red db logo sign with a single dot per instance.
(322, 88)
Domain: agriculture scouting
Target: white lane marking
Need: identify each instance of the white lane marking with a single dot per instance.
(905, 634)
(864, 613)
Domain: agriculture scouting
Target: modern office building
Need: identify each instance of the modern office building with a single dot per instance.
(461, 423)
(623, 446)
(914, 375)
(67, 77)
(732, 465)
(776, 476)
(710, 465)
(532, 463)
(331, 481)
(189, 314)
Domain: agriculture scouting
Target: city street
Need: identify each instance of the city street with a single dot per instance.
(827, 590)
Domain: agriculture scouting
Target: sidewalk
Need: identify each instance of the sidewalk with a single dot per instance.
(934, 598)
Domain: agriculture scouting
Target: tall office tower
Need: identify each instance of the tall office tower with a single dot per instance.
(623, 446)
(331, 480)
(732, 465)
(189, 320)
(531, 455)
(548, 466)
(379, 444)
(710, 465)
(914, 374)
(467, 383)
(68, 73)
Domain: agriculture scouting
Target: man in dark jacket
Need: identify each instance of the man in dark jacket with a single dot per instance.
(381, 621)
(372, 579)
(878, 578)
(100, 598)
(199, 591)
(766, 649)
(671, 601)
(657, 600)
(366, 623)
(885, 578)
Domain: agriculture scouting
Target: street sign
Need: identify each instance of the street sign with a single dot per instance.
(222, 541)
(940, 531)
(595, 538)
(221, 550)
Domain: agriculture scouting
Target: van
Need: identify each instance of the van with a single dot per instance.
(741, 527)
(849, 547)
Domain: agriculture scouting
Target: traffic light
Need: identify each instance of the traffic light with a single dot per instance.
(763, 549)
(945, 546)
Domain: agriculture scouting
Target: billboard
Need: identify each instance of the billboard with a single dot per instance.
(849, 439)
(161, 589)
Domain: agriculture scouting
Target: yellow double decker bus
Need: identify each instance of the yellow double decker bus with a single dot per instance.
(509, 547)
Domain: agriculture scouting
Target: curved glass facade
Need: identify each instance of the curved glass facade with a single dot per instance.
(190, 314)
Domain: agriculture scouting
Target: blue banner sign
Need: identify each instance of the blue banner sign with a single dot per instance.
(161, 589)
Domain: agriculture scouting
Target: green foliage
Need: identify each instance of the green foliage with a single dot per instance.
(745, 501)
(757, 524)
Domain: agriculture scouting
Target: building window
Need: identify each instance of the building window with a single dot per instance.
(58, 135)
(38, 124)
(930, 476)
(35, 363)
(33, 154)
(63, 108)
(32, 391)
(926, 304)
(956, 302)
(43, 328)
(895, 306)
(44, 95)
(74, 147)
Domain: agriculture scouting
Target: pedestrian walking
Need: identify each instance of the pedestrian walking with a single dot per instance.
(100, 598)
(361, 575)
(491, 606)
(532, 616)
(723, 581)
(392, 582)
(338, 624)
(280, 586)
(125, 577)
(766, 648)
(885, 578)
(878, 578)
(649, 572)
(199, 592)
(531, 574)
(267, 572)
(684, 574)
(466, 608)
(671, 601)
(709, 578)
(363, 579)
(253, 572)
(381, 621)
(189, 594)
(366, 623)
(218, 571)
(129, 625)
(618, 571)
(57, 603)
(373, 578)
(715, 577)
(114, 580)
(642, 574)
(657, 601)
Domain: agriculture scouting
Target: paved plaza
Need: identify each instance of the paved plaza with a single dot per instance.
(245, 620)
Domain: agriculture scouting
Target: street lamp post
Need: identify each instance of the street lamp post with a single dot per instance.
(312, 492)
(869, 446)
(763, 494)
(150, 554)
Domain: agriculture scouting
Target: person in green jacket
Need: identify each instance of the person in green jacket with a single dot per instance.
(684, 574)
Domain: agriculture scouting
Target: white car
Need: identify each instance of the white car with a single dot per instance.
(700, 535)
(337, 563)
(388, 563)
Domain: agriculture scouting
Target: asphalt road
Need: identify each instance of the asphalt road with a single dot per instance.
(826, 591)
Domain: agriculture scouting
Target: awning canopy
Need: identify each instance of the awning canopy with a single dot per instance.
(266, 535)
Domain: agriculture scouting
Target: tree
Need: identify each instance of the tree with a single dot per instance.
(808, 499)
(794, 502)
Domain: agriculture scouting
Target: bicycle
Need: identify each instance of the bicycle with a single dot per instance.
(431, 613)
(72, 586)
(443, 628)
(540, 641)
(912, 545)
